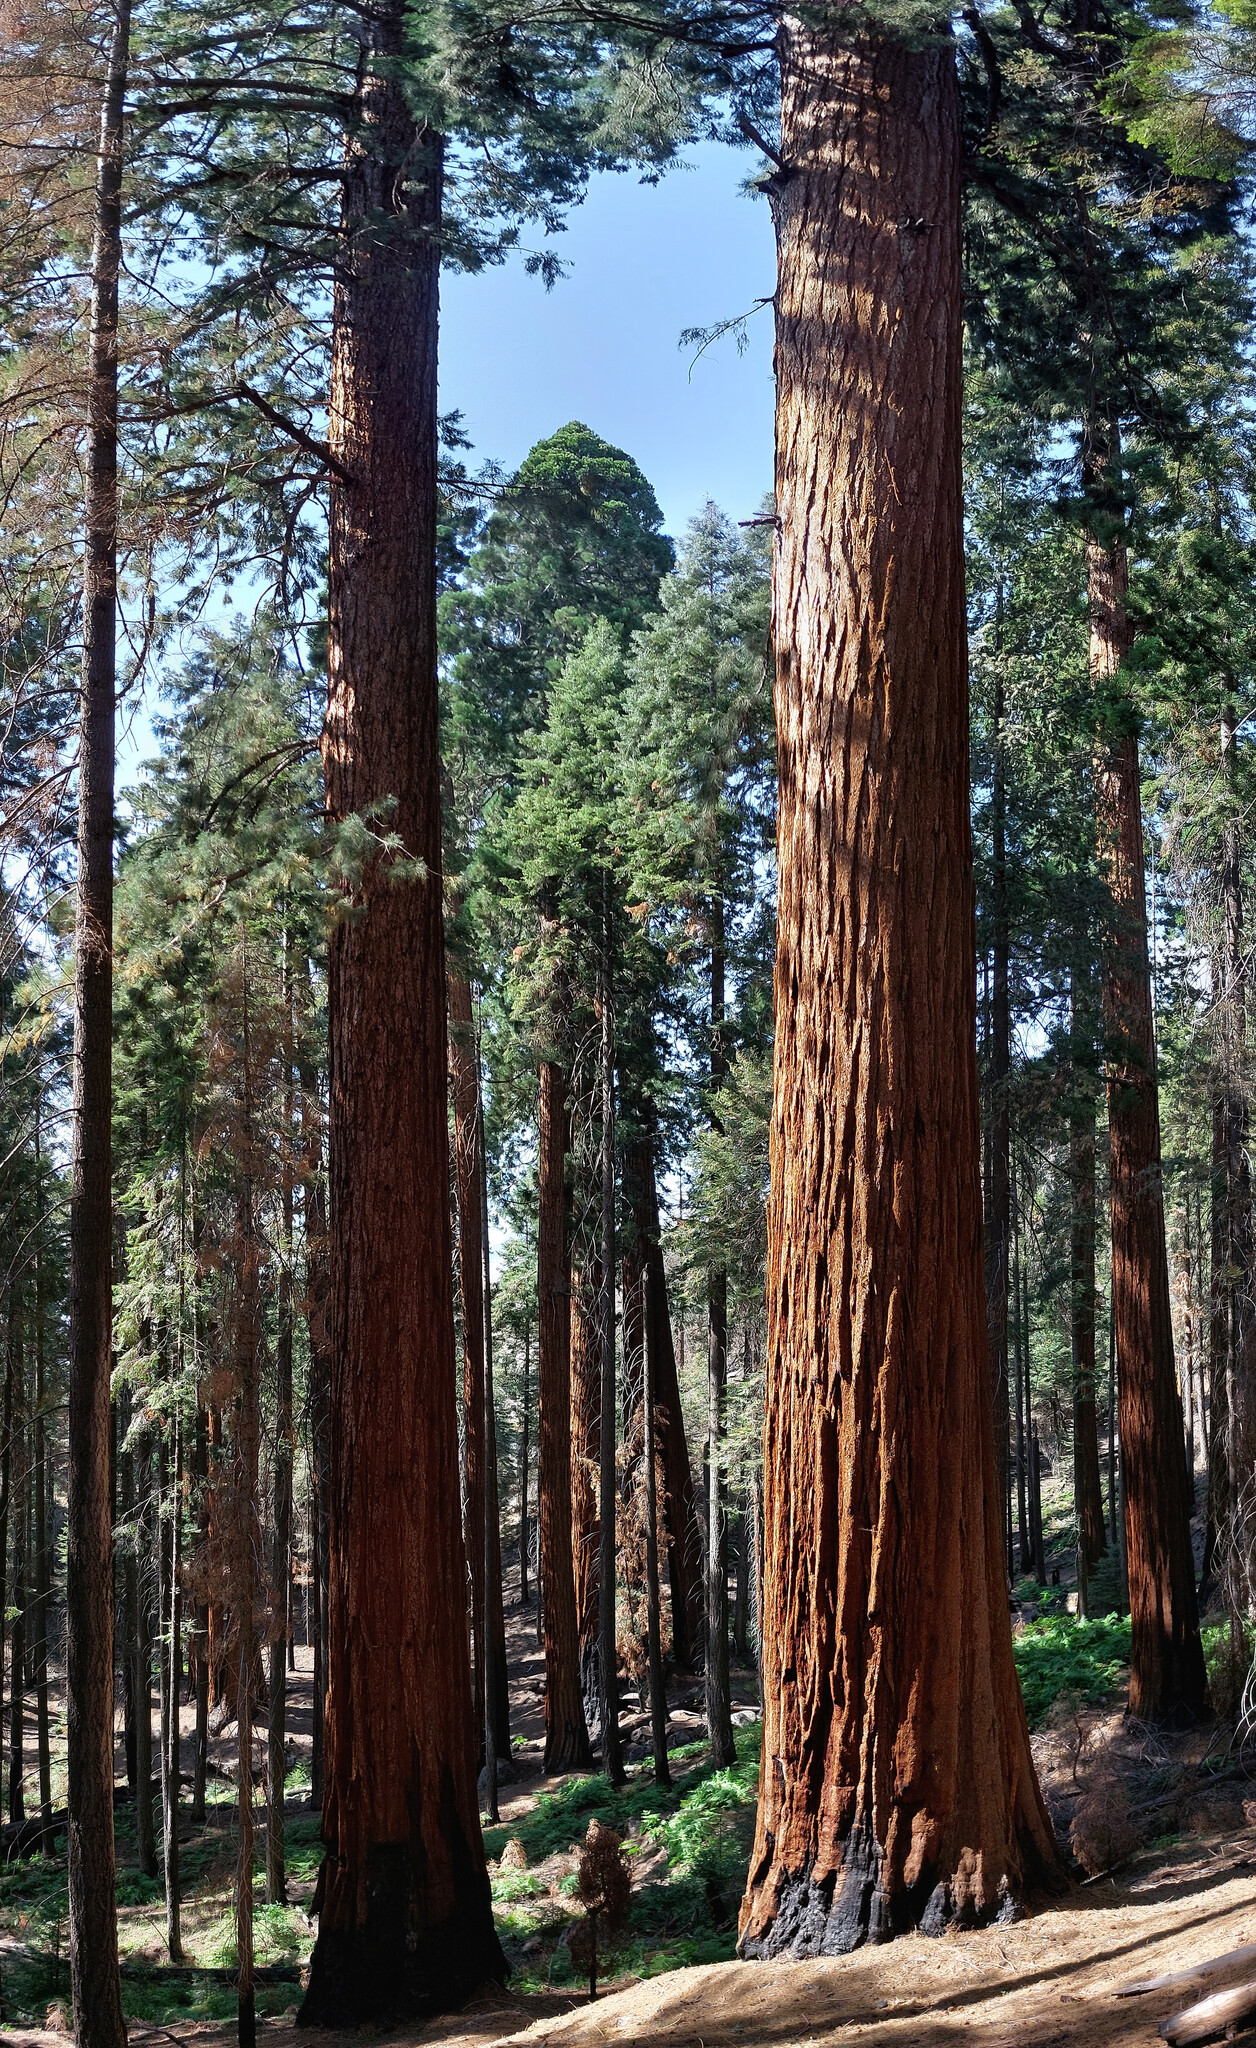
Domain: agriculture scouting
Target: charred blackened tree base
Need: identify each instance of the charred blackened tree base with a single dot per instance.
(381, 1970)
(830, 1916)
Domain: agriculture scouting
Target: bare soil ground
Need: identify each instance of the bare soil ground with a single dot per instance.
(1045, 1983)
(1170, 1811)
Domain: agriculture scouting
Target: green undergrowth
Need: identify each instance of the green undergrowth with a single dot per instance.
(36, 1976)
(684, 1912)
(1058, 1654)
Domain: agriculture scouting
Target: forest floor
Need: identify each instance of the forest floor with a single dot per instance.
(1170, 1813)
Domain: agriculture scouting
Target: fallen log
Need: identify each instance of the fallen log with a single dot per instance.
(1219, 2014)
(184, 1973)
(1208, 1969)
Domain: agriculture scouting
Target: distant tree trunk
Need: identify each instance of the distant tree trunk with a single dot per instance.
(680, 1507)
(1232, 1202)
(496, 1675)
(1024, 1533)
(200, 1475)
(145, 1834)
(566, 1735)
(719, 1717)
(245, 1537)
(524, 1453)
(168, 1580)
(17, 1652)
(281, 1548)
(608, 1650)
(13, 1370)
(43, 1571)
(92, 1909)
(317, 1288)
(653, 1622)
(1087, 1478)
(586, 1437)
(998, 1239)
(1167, 1677)
(465, 1093)
(405, 1913)
(1035, 1505)
(898, 1789)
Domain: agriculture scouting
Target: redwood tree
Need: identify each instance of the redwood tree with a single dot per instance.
(566, 1734)
(897, 1788)
(1167, 1676)
(405, 1918)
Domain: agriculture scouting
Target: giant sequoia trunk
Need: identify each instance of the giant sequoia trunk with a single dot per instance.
(89, 1537)
(566, 1734)
(1167, 1678)
(897, 1788)
(405, 1918)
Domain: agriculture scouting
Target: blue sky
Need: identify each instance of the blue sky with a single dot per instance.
(645, 262)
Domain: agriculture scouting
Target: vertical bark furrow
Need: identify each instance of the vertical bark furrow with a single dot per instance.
(897, 1788)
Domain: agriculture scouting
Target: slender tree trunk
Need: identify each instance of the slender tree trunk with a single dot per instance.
(89, 1558)
(498, 1684)
(200, 1474)
(168, 1540)
(280, 1571)
(1167, 1676)
(653, 1622)
(145, 1834)
(608, 1650)
(405, 1913)
(680, 1507)
(245, 1544)
(566, 1735)
(317, 1288)
(719, 1718)
(1087, 1479)
(1035, 1504)
(524, 1454)
(17, 1641)
(1025, 1538)
(465, 1092)
(496, 1676)
(17, 1653)
(586, 1438)
(898, 1788)
(998, 1240)
(43, 1572)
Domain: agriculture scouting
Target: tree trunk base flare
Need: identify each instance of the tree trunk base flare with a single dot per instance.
(897, 1788)
(832, 1915)
(379, 1970)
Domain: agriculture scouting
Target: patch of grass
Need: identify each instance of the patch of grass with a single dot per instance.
(510, 1886)
(1060, 1654)
(705, 1823)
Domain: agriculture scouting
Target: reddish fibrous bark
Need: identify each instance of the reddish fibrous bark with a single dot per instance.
(405, 1915)
(648, 1302)
(896, 1788)
(1087, 1478)
(464, 1090)
(1167, 1676)
(567, 1745)
(586, 1391)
